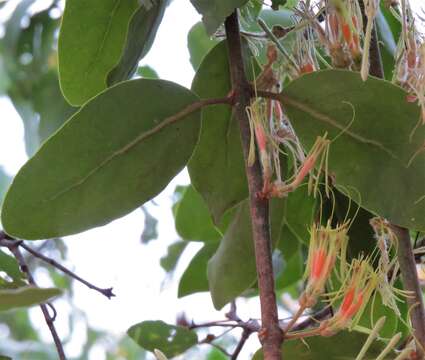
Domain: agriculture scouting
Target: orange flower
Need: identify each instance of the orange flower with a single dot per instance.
(361, 282)
(326, 244)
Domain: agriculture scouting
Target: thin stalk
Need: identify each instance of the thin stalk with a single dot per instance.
(270, 335)
(409, 275)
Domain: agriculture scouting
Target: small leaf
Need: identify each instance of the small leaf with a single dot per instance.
(344, 345)
(199, 44)
(170, 260)
(193, 220)
(107, 160)
(277, 3)
(140, 36)
(387, 157)
(147, 71)
(25, 297)
(91, 42)
(150, 231)
(214, 12)
(10, 266)
(172, 340)
(194, 278)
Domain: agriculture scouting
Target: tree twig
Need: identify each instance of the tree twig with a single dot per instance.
(14, 248)
(271, 335)
(106, 292)
(246, 333)
(409, 275)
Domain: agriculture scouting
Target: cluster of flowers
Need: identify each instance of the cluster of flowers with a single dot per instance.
(358, 281)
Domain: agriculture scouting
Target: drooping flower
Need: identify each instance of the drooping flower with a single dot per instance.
(326, 245)
(358, 288)
(317, 157)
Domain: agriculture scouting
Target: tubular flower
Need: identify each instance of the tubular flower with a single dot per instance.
(361, 282)
(326, 244)
(317, 156)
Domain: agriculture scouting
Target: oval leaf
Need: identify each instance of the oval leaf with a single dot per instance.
(25, 296)
(217, 168)
(374, 123)
(344, 345)
(91, 41)
(194, 278)
(171, 340)
(113, 155)
(198, 44)
(232, 269)
(141, 34)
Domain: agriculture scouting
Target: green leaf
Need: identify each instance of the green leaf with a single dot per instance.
(107, 160)
(214, 12)
(215, 354)
(376, 309)
(277, 3)
(91, 42)
(25, 297)
(51, 106)
(194, 278)
(361, 235)
(198, 44)
(299, 213)
(232, 269)
(10, 266)
(193, 220)
(383, 156)
(171, 340)
(5, 180)
(343, 346)
(217, 168)
(387, 45)
(150, 231)
(140, 36)
(147, 71)
(170, 260)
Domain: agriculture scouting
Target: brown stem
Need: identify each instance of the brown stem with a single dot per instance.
(14, 248)
(409, 275)
(270, 335)
(245, 335)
